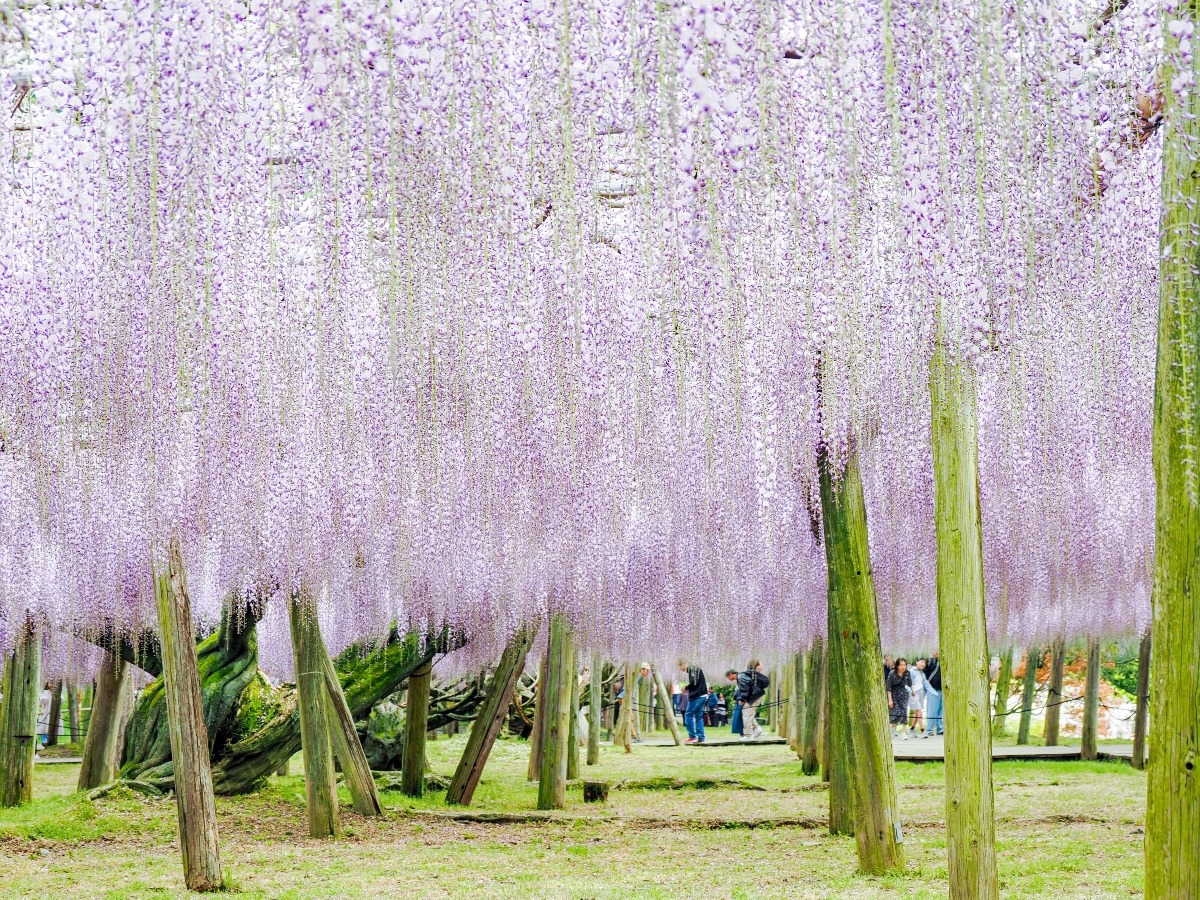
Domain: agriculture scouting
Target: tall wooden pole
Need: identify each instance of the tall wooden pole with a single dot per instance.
(1142, 701)
(100, 749)
(491, 717)
(320, 779)
(538, 734)
(856, 651)
(73, 728)
(194, 801)
(839, 758)
(1003, 685)
(796, 728)
(22, 686)
(962, 632)
(1091, 701)
(416, 728)
(594, 702)
(552, 785)
(1033, 656)
(664, 700)
(572, 720)
(55, 722)
(814, 704)
(1054, 701)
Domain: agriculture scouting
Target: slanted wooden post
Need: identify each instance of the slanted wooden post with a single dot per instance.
(537, 735)
(73, 711)
(962, 629)
(1058, 664)
(1033, 656)
(52, 727)
(101, 751)
(194, 801)
(664, 700)
(1003, 685)
(490, 719)
(859, 706)
(22, 686)
(1091, 701)
(1143, 697)
(595, 700)
(814, 705)
(320, 780)
(552, 785)
(416, 727)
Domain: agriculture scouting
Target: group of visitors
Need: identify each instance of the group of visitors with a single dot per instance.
(914, 695)
(704, 705)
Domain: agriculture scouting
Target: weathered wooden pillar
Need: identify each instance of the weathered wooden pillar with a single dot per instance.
(552, 785)
(595, 695)
(1091, 701)
(856, 651)
(101, 750)
(799, 669)
(1033, 656)
(624, 728)
(573, 718)
(490, 719)
(840, 756)
(814, 704)
(1142, 701)
(538, 733)
(1058, 662)
(416, 728)
(962, 629)
(73, 728)
(194, 801)
(664, 700)
(1003, 685)
(645, 703)
(320, 779)
(55, 723)
(22, 687)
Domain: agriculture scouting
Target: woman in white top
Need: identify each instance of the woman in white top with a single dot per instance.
(916, 706)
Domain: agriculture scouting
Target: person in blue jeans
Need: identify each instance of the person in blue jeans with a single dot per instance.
(933, 692)
(697, 695)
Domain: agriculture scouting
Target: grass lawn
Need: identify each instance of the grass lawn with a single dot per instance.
(1064, 829)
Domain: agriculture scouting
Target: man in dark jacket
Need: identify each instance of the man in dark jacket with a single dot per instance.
(697, 695)
(751, 688)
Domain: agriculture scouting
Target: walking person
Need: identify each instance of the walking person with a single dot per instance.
(752, 688)
(916, 704)
(899, 689)
(697, 696)
(933, 694)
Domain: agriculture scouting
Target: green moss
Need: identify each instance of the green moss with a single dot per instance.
(258, 705)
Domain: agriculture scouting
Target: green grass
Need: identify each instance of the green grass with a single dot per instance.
(1067, 829)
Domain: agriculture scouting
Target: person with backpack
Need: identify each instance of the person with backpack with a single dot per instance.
(697, 696)
(933, 691)
(752, 688)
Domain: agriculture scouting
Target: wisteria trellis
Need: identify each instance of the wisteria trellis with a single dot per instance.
(459, 310)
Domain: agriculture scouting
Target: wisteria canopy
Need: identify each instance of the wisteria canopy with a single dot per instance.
(458, 312)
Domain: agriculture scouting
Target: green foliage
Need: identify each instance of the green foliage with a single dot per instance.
(1123, 673)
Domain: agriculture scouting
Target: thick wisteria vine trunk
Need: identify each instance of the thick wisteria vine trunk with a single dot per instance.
(1028, 690)
(814, 706)
(1054, 698)
(1142, 702)
(595, 693)
(962, 633)
(22, 684)
(552, 783)
(194, 800)
(101, 758)
(1173, 803)
(320, 779)
(1091, 701)
(854, 632)
(491, 715)
(1003, 683)
(416, 724)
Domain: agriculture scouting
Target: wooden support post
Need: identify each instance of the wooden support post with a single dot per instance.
(799, 671)
(1091, 701)
(22, 687)
(840, 756)
(416, 727)
(645, 703)
(1058, 662)
(861, 739)
(552, 785)
(73, 728)
(491, 717)
(194, 801)
(101, 752)
(664, 700)
(962, 629)
(624, 728)
(538, 735)
(1003, 685)
(595, 695)
(573, 718)
(55, 723)
(814, 704)
(1142, 701)
(1033, 658)
(320, 779)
